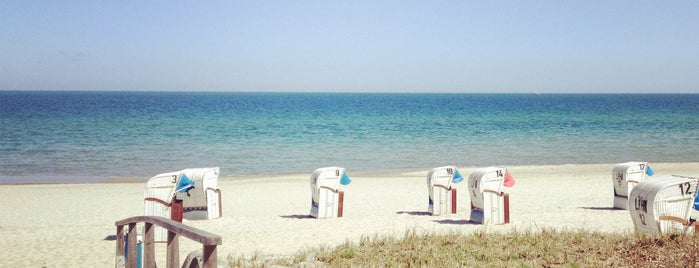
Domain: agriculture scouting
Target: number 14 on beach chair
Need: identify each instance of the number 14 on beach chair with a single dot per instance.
(489, 204)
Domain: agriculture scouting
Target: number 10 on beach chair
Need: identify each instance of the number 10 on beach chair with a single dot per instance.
(489, 204)
(442, 196)
(326, 198)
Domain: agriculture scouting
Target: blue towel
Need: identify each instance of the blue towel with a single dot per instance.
(185, 184)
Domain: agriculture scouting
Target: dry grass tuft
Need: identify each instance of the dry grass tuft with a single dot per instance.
(548, 248)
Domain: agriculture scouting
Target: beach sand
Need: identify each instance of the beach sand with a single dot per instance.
(72, 225)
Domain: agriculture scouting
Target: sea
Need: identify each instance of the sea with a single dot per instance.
(97, 136)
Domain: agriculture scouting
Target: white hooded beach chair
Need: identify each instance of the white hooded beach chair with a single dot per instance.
(326, 197)
(625, 177)
(489, 204)
(170, 194)
(663, 205)
(204, 201)
(160, 198)
(442, 196)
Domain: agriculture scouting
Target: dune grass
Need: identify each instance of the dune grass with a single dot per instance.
(548, 248)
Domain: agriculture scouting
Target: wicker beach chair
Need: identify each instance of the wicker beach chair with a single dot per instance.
(625, 177)
(663, 205)
(326, 198)
(442, 194)
(489, 204)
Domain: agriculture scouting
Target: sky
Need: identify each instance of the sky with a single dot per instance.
(551, 46)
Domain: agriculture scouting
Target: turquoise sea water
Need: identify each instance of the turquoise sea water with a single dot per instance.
(93, 136)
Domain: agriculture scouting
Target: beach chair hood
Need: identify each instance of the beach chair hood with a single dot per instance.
(326, 197)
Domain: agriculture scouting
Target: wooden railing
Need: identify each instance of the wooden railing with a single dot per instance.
(175, 229)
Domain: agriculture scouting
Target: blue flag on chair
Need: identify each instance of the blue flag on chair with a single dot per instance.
(185, 184)
(345, 179)
(457, 177)
(649, 171)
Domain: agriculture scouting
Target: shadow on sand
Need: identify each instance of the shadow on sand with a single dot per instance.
(297, 216)
(603, 208)
(414, 213)
(457, 222)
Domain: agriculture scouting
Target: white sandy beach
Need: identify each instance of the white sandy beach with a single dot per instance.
(72, 225)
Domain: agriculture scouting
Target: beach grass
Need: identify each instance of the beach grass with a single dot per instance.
(548, 248)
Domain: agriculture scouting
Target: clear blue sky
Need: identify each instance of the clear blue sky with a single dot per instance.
(358, 46)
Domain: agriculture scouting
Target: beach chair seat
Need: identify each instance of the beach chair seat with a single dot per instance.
(625, 177)
(442, 194)
(489, 204)
(160, 200)
(326, 198)
(663, 205)
(204, 202)
(189, 193)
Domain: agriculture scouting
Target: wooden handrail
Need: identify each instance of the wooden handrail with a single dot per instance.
(175, 229)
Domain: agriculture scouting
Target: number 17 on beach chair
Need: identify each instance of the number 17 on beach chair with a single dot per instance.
(625, 177)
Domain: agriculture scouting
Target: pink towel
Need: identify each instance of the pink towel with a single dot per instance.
(509, 180)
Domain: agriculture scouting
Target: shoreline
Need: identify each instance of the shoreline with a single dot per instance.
(361, 173)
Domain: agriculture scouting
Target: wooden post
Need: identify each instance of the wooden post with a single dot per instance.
(220, 205)
(209, 256)
(177, 210)
(149, 246)
(133, 248)
(173, 250)
(341, 200)
(120, 259)
(453, 201)
(506, 204)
